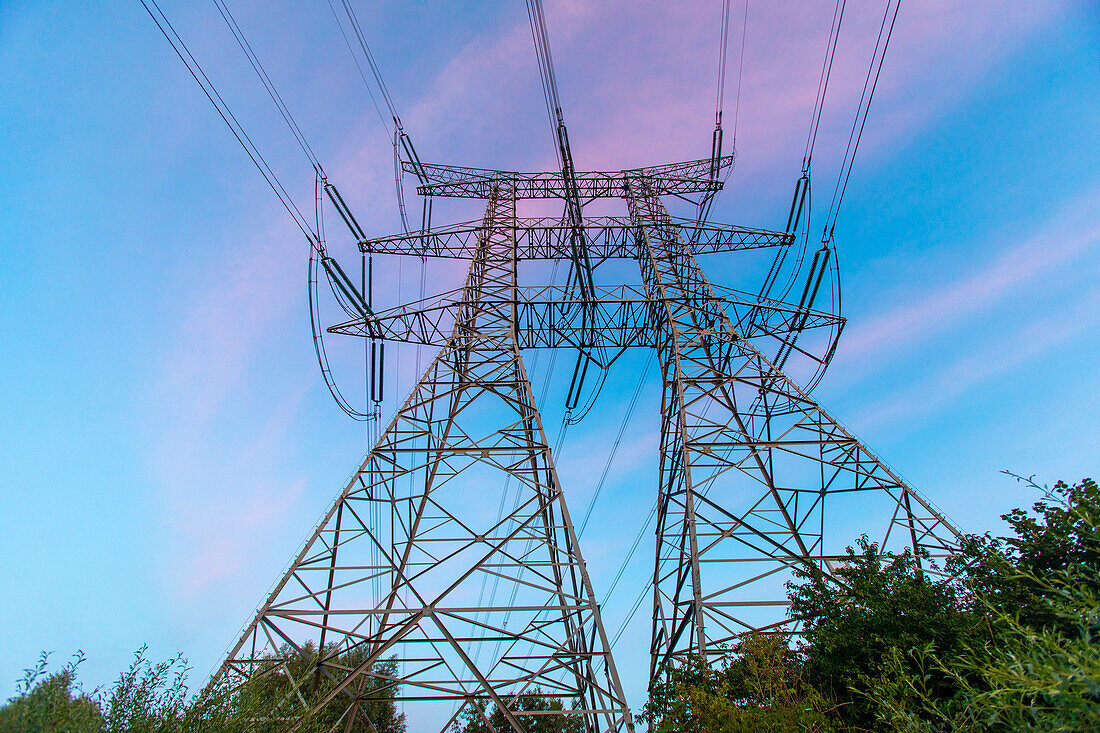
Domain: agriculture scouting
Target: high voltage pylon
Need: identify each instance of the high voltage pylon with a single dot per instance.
(750, 469)
(755, 478)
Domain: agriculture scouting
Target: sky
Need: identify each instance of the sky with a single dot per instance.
(166, 439)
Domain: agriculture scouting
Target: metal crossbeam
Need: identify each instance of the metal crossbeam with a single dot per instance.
(547, 238)
(755, 478)
(463, 182)
(623, 317)
(388, 573)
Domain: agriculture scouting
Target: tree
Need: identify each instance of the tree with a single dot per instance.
(50, 702)
(472, 718)
(759, 686)
(1008, 574)
(1008, 640)
(1040, 591)
(288, 684)
(152, 697)
(873, 606)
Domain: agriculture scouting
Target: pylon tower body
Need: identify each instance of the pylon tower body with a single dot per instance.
(391, 572)
(755, 478)
(749, 464)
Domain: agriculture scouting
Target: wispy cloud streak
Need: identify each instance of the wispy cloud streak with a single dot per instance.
(1058, 242)
(992, 359)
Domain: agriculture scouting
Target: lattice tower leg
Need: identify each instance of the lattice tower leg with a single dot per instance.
(749, 466)
(393, 571)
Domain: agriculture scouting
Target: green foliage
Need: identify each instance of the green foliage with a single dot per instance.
(1041, 669)
(50, 702)
(148, 697)
(289, 683)
(153, 698)
(1008, 575)
(1028, 679)
(473, 717)
(1007, 641)
(875, 604)
(759, 686)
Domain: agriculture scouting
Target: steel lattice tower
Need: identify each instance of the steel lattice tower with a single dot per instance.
(749, 466)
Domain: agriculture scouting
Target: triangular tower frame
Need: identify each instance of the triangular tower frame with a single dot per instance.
(748, 464)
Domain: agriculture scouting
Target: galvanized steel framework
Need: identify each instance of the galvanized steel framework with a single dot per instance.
(749, 466)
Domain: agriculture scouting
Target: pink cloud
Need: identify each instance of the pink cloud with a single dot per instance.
(637, 81)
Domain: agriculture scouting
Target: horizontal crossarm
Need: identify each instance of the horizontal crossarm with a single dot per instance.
(547, 238)
(462, 182)
(551, 317)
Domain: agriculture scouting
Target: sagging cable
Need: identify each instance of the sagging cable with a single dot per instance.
(818, 266)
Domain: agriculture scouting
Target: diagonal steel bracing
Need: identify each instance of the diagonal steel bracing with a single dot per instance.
(754, 476)
(618, 318)
(389, 571)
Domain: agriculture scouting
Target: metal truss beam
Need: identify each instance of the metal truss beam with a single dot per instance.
(619, 318)
(547, 238)
(391, 572)
(754, 476)
(462, 182)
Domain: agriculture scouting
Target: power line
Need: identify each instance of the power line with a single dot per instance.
(721, 91)
(541, 40)
(362, 74)
(354, 20)
(211, 92)
(823, 82)
(261, 72)
(615, 446)
(740, 70)
(864, 107)
(707, 199)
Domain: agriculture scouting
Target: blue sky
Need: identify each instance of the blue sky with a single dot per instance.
(166, 441)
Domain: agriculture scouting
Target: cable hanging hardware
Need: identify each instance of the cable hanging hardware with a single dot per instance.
(581, 275)
(704, 204)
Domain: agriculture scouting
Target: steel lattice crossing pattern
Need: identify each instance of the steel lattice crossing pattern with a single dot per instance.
(391, 568)
(748, 464)
(755, 477)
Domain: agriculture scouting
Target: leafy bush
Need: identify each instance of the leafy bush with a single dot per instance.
(154, 698)
(874, 604)
(50, 702)
(1038, 592)
(1007, 641)
(758, 686)
(473, 717)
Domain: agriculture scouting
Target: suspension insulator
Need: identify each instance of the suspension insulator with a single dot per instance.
(345, 286)
(797, 202)
(820, 274)
(345, 213)
(809, 279)
(715, 152)
(580, 369)
(377, 371)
